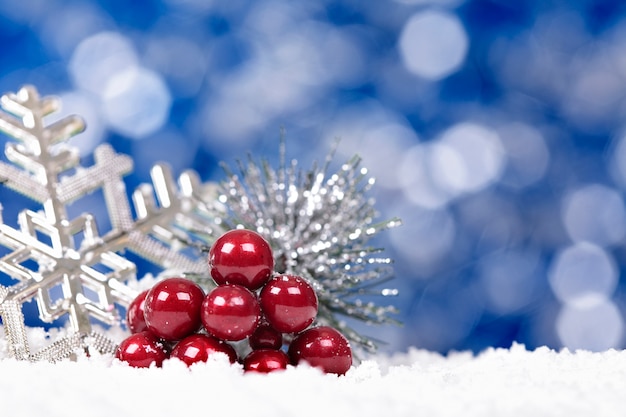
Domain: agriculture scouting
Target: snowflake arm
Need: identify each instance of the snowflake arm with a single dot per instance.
(76, 271)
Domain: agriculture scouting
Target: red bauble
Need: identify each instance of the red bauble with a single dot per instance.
(198, 348)
(289, 303)
(322, 347)
(230, 312)
(135, 319)
(172, 308)
(266, 337)
(241, 257)
(142, 350)
(265, 360)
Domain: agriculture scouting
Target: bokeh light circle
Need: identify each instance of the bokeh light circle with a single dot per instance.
(100, 57)
(595, 328)
(595, 213)
(467, 158)
(433, 44)
(136, 102)
(583, 275)
(415, 178)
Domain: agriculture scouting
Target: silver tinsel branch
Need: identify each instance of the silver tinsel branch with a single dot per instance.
(86, 267)
(319, 225)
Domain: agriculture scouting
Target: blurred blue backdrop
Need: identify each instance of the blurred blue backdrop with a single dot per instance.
(495, 130)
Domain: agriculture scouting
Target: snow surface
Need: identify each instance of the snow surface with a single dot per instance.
(498, 382)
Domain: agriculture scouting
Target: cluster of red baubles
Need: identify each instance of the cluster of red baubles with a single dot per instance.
(176, 319)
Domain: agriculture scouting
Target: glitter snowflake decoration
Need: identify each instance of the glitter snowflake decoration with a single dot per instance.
(80, 273)
(319, 226)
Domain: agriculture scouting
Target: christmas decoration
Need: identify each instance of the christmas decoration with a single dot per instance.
(322, 347)
(318, 224)
(241, 257)
(172, 308)
(135, 317)
(265, 337)
(232, 313)
(141, 350)
(318, 228)
(71, 255)
(198, 348)
(265, 361)
(288, 303)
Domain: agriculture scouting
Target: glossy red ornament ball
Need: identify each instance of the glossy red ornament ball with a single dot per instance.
(322, 347)
(288, 303)
(141, 350)
(199, 347)
(230, 312)
(241, 257)
(266, 337)
(135, 319)
(172, 308)
(265, 361)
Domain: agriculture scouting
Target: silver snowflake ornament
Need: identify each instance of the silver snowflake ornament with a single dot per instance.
(80, 272)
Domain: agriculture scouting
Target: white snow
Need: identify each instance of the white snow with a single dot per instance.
(497, 382)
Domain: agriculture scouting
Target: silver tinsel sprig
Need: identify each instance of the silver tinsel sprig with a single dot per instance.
(319, 225)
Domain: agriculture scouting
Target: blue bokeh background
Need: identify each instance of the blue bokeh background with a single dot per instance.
(495, 130)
